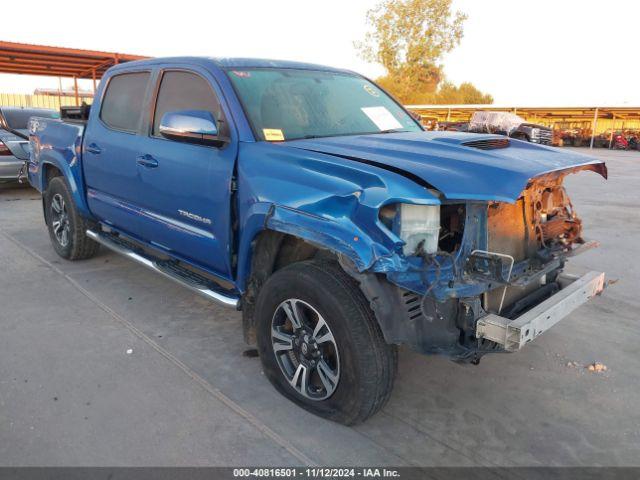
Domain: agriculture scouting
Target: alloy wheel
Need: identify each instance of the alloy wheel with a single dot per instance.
(305, 349)
(60, 220)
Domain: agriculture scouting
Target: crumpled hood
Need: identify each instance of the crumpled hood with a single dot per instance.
(457, 171)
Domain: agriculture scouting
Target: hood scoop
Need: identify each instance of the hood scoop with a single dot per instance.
(488, 143)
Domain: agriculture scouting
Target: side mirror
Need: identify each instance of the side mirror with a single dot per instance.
(191, 126)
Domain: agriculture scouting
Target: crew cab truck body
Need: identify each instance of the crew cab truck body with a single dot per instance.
(309, 199)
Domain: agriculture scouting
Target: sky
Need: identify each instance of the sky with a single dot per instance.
(542, 53)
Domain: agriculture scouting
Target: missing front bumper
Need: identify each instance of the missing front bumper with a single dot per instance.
(514, 334)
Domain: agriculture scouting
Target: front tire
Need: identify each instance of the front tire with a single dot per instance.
(66, 227)
(320, 344)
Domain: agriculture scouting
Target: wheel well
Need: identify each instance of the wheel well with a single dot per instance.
(50, 171)
(271, 252)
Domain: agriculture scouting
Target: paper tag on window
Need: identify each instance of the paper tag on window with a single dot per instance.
(382, 117)
(273, 134)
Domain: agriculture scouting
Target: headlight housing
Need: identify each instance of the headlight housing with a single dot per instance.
(419, 224)
(414, 224)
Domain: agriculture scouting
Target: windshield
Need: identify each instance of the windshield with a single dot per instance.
(288, 104)
(18, 118)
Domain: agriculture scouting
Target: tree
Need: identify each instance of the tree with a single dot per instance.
(448, 93)
(409, 39)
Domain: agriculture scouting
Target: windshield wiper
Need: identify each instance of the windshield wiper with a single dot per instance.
(311, 136)
(307, 137)
(394, 130)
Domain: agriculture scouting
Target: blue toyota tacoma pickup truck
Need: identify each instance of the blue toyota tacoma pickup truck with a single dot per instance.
(309, 199)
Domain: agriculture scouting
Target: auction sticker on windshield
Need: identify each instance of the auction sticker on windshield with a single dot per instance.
(382, 117)
(273, 134)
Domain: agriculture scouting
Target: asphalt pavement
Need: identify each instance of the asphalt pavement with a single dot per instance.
(104, 363)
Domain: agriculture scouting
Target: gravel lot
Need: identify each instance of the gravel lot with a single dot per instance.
(70, 394)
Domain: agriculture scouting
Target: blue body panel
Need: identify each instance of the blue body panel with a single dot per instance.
(321, 199)
(56, 144)
(459, 172)
(327, 191)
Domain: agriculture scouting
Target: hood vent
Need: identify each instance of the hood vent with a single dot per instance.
(488, 143)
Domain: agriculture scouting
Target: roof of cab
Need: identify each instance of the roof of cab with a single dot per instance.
(225, 63)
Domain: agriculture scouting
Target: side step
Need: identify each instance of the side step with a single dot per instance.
(169, 268)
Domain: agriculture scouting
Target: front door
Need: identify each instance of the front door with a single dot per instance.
(185, 189)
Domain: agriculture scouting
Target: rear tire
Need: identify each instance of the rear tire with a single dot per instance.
(66, 227)
(347, 374)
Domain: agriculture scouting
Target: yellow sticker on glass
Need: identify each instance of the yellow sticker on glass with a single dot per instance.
(370, 90)
(273, 134)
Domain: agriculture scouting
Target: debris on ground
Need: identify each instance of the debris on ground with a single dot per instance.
(597, 367)
(573, 364)
(129, 351)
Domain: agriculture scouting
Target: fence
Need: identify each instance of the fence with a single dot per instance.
(41, 101)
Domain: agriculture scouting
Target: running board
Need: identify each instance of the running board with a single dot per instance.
(168, 268)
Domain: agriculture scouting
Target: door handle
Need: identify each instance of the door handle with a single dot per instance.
(93, 148)
(147, 161)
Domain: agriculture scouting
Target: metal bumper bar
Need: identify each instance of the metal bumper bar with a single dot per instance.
(514, 334)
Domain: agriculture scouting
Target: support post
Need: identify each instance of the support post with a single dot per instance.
(93, 77)
(75, 91)
(59, 92)
(594, 124)
(613, 128)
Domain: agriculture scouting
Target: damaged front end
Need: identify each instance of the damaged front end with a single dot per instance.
(490, 280)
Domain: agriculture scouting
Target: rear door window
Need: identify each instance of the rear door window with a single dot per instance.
(124, 101)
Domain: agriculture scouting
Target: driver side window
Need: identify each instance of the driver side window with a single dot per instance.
(181, 90)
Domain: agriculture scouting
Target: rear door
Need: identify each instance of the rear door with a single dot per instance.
(111, 143)
(184, 190)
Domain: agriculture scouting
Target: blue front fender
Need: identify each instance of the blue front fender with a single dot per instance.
(322, 200)
(338, 236)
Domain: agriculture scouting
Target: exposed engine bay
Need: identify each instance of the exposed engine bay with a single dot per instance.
(554, 218)
(541, 225)
(493, 262)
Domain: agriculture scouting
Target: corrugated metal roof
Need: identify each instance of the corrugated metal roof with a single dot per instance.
(23, 58)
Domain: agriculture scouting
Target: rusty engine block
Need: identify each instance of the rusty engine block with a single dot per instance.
(554, 217)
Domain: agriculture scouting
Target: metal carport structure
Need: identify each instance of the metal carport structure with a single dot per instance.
(27, 59)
